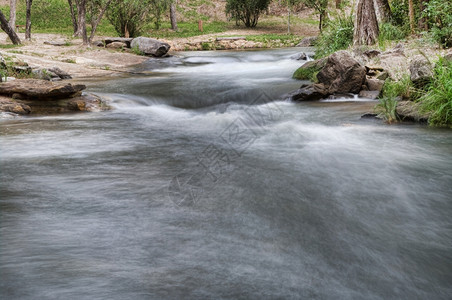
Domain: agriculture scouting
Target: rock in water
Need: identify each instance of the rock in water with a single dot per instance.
(342, 74)
(299, 56)
(150, 46)
(309, 92)
(40, 89)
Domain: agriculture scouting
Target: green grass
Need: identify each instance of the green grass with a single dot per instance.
(189, 29)
(337, 35)
(386, 109)
(309, 73)
(438, 98)
(9, 46)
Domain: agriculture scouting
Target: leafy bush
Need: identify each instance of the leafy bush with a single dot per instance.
(403, 88)
(400, 15)
(337, 35)
(390, 32)
(438, 97)
(247, 11)
(439, 14)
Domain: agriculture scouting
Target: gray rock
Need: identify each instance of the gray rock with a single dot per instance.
(44, 74)
(39, 89)
(299, 56)
(56, 43)
(382, 75)
(309, 92)
(307, 42)
(150, 46)
(372, 53)
(98, 44)
(116, 45)
(369, 94)
(62, 74)
(421, 71)
(342, 74)
(409, 111)
(126, 41)
(375, 84)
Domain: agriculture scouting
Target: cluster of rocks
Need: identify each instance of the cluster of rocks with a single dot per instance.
(27, 96)
(364, 73)
(339, 73)
(144, 45)
(24, 70)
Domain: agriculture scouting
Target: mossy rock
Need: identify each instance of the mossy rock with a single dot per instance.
(309, 70)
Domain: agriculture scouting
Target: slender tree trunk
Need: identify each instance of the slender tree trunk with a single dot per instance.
(73, 16)
(28, 20)
(81, 12)
(96, 23)
(9, 31)
(366, 25)
(423, 23)
(173, 16)
(383, 9)
(411, 13)
(288, 19)
(12, 13)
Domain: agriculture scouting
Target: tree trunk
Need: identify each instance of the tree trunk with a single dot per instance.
(73, 16)
(411, 13)
(81, 11)
(28, 21)
(423, 22)
(173, 16)
(96, 23)
(366, 25)
(9, 31)
(383, 10)
(12, 14)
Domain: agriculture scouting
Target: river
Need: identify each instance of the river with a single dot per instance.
(203, 184)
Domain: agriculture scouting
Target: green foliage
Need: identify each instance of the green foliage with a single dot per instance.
(403, 88)
(438, 97)
(188, 29)
(386, 109)
(247, 11)
(129, 17)
(137, 51)
(390, 32)
(338, 35)
(309, 73)
(158, 8)
(439, 14)
(320, 6)
(400, 15)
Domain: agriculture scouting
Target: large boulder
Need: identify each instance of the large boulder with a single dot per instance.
(342, 74)
(421, 71)
(308, 70)
(39, 89)
(309, 92)
(150, 46)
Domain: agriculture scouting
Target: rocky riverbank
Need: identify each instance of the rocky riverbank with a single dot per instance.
(366, 72)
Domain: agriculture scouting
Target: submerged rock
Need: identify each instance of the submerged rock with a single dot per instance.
(40, 89)
(150, 46)
(299, 56)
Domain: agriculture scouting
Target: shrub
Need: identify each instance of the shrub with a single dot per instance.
(337, 35)
(247, 11)
(438, 98)
(439, 14)
(129, 16)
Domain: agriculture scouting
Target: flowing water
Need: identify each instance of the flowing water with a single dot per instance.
(204, 184)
